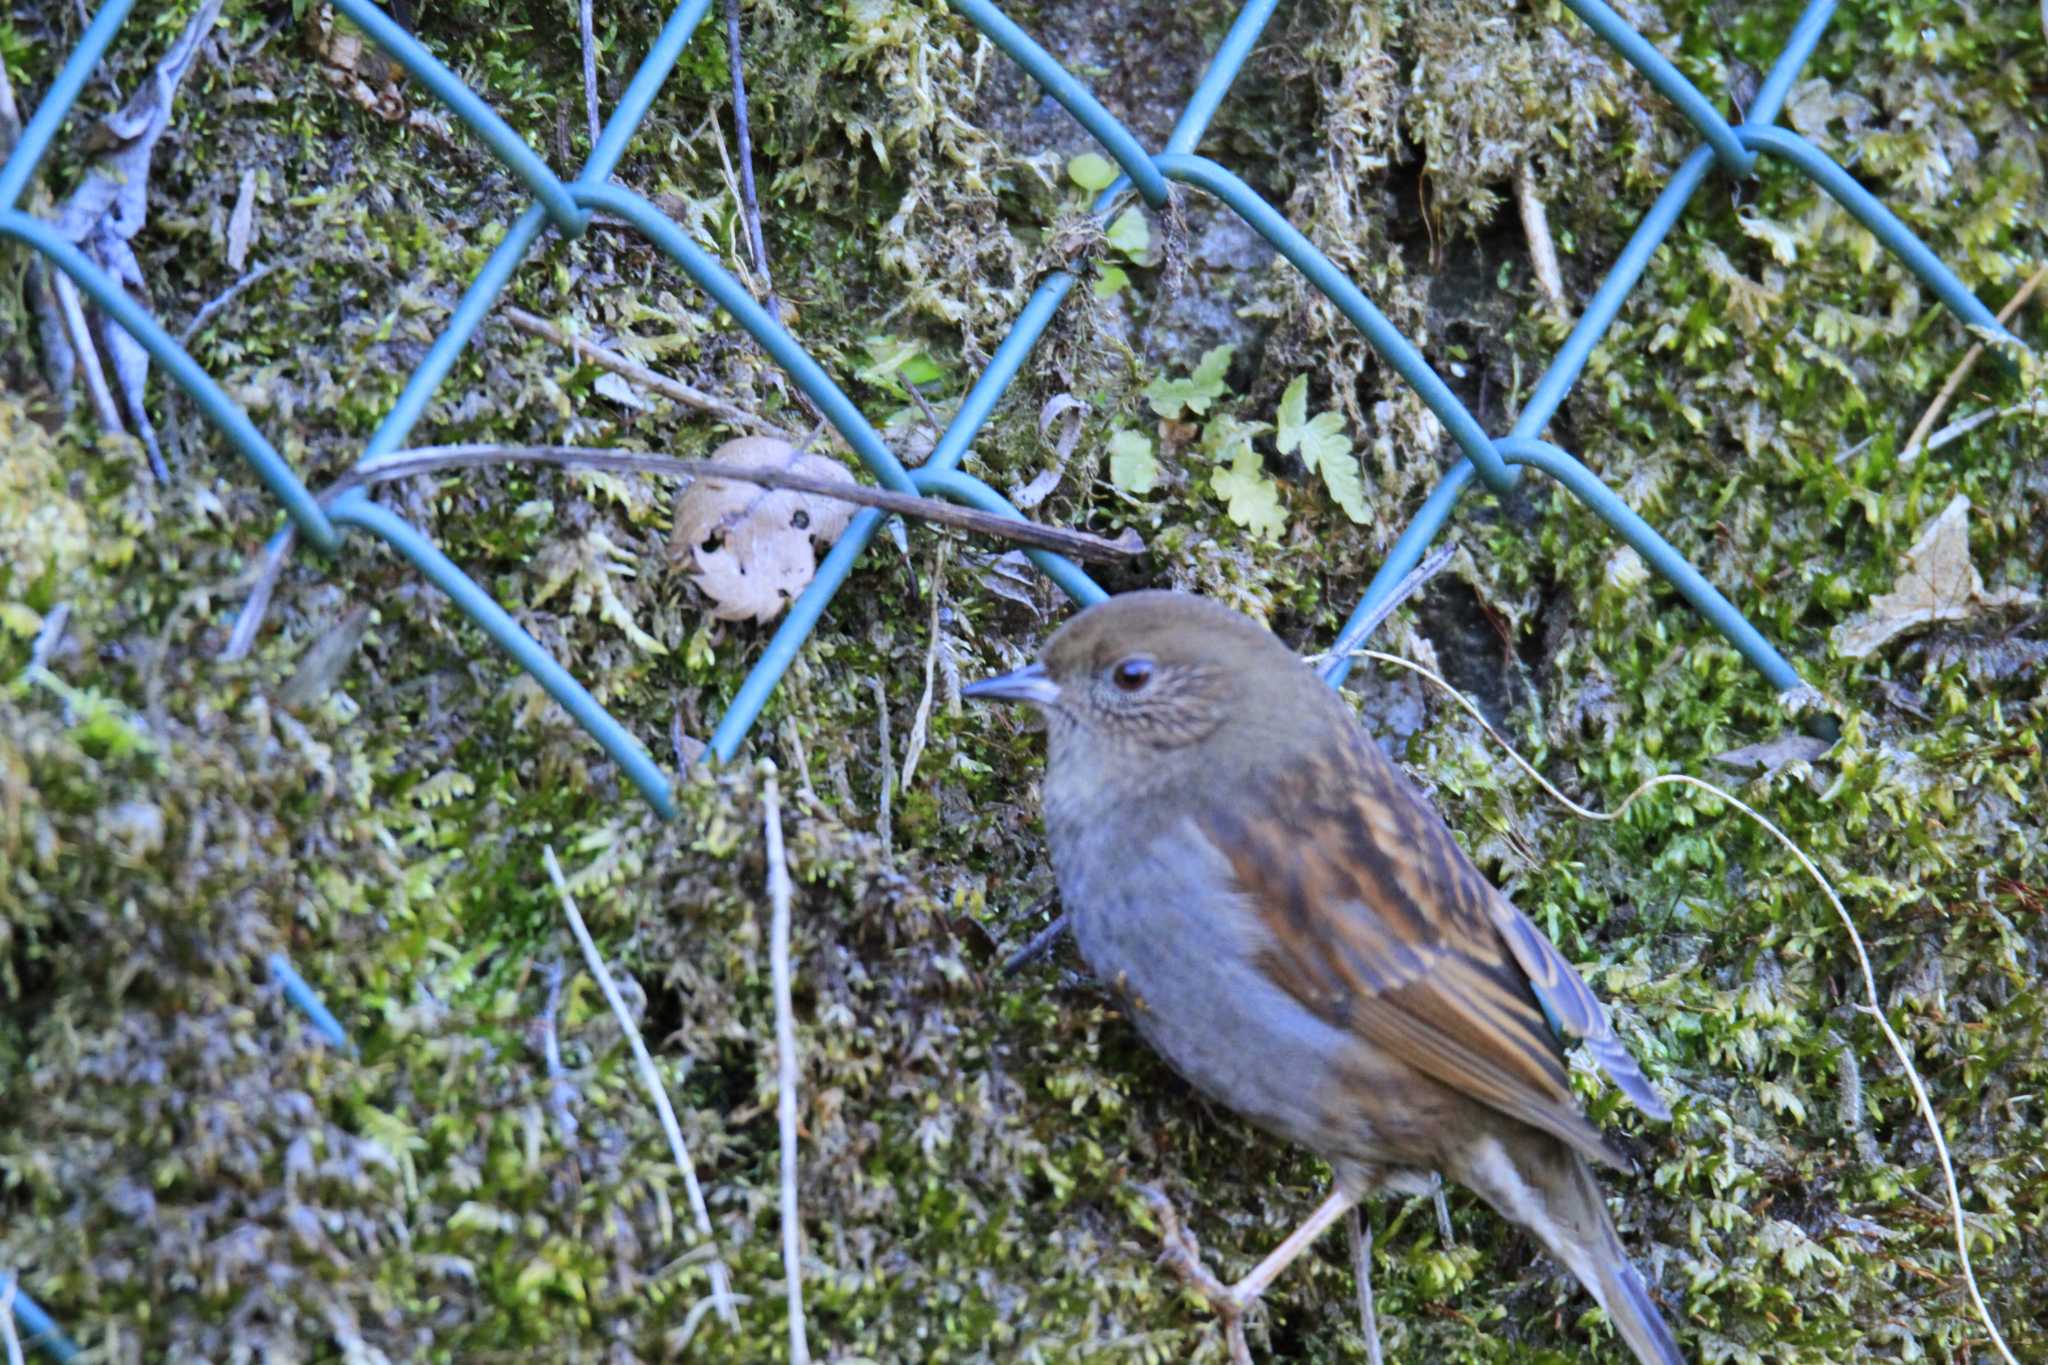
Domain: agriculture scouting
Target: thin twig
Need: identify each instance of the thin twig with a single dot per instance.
(721, 1287)
(1536, 227)
(222, 300)
(1956, 376)
(275, 556)
(920, 722)
(589, 34)
(399, 464)
(561, 1090)
(1875, 1009)
(748, 204)
(1040, 944)
(923, 406)
(1963, 426)
(72, 311)
(785, 1062)
(888, 766)
(672, 389)
(1411, 582)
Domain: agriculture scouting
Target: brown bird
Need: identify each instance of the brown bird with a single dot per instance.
(1296, 931)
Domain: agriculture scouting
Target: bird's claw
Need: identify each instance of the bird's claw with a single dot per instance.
(1180, 1251)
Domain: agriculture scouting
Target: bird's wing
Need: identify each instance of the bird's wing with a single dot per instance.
(1381, 925)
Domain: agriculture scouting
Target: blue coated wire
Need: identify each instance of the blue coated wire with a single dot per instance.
(1882, 222)
(1406, 554)
(477, 301)
(1657, 552)
(712, 278)
(1605, 305)
(567, 205)
(37, 1327)
(270, 466)
(480, 607)
(1669, 81)
(1384, 338)
(308, 1002)
(975, 408)
(964, 488)
(1079, 100)
(1231, 55)
(396, 428)
(464, 103)
(57, 100)
(1599, 314)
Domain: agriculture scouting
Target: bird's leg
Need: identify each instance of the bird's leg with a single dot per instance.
(1361, 1269)
(1180, 1251)
(1230, 1302)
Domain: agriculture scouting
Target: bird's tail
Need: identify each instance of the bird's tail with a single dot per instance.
(1548, 1188)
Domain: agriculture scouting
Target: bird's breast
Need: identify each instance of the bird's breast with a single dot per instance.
(1159, 920)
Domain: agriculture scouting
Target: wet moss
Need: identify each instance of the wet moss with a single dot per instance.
(185, 1172)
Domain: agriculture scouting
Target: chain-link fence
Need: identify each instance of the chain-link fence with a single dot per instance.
(325, 519)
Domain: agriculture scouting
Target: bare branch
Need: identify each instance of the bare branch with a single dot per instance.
(721, 1285)
(399, 464)
(785, 1064)
(674, 390)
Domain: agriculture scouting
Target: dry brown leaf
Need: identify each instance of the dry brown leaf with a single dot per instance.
(750, 548)
(1938, 583)
(1774, 754)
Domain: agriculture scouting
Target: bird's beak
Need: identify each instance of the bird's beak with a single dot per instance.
(1029, 683)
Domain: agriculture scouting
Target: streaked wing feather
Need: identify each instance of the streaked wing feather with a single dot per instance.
(1573, 1008)
(1383, 926)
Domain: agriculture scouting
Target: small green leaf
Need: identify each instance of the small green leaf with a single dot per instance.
(1293, 415)
(1249, 496)
(1091, 172)
(1170, 397)
(1324, 448)
(1341, 476)
(1130, 233)
(1110, 279)
(891, 357)
(1132, 466)
(1323, 440)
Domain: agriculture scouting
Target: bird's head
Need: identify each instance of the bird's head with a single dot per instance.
(1170, 683)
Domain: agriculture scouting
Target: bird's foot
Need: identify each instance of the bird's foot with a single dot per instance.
(1180, 1252)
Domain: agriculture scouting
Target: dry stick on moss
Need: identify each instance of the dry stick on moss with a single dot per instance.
(399, 464)
(1536, 227)
(748, 203)
(1962, 369)
(671, 389)
(589, 34)
(920, 724)
(721, 1288)
(222, 300)
(888, 765)
(79, 334)
(785, 1060)
(1875, 1007)
(243, 638)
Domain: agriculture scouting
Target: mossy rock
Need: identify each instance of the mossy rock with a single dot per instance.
(187, 1172)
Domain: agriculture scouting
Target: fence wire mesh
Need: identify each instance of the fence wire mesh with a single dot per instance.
(324, 519)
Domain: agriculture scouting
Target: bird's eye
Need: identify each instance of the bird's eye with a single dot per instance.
(1132, 674)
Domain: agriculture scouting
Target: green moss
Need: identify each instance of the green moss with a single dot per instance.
(186, 1171)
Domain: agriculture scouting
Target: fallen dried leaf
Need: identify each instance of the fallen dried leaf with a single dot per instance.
(750, 548)
(1938, 583)
(1774, 754)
